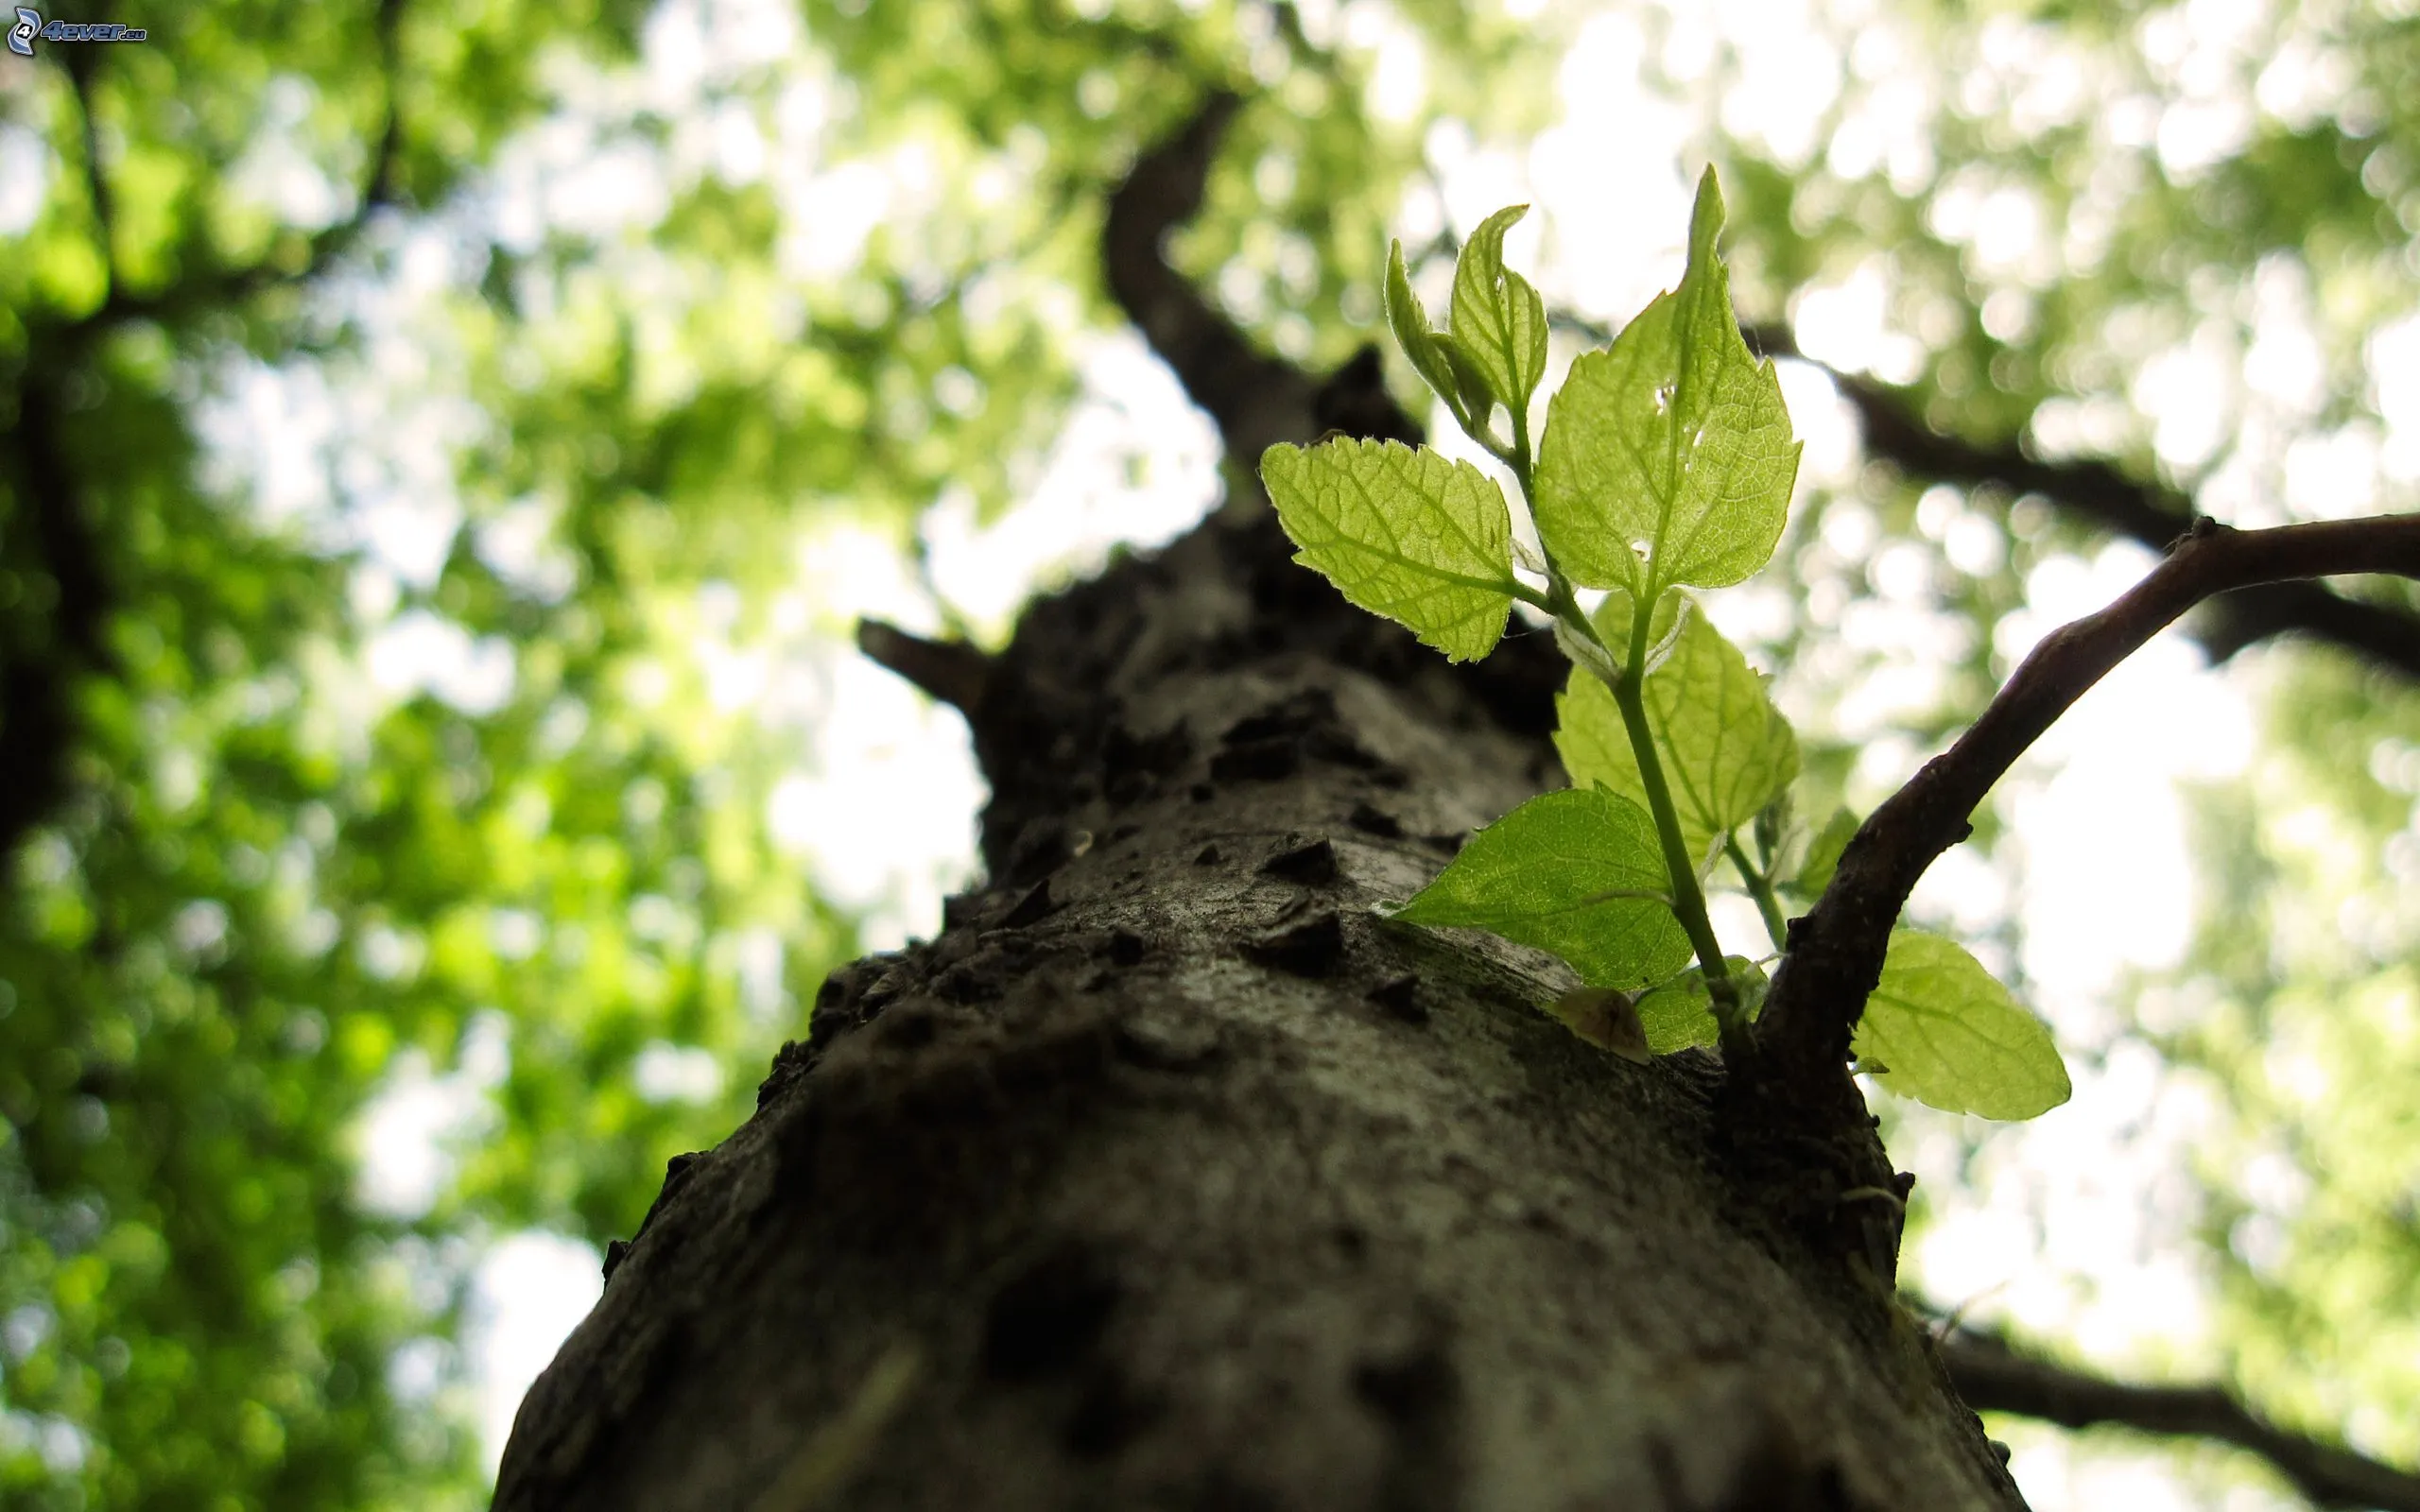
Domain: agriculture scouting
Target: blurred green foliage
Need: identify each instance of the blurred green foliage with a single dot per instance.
(618, 345)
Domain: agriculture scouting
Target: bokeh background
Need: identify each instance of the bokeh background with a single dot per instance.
(449, 441)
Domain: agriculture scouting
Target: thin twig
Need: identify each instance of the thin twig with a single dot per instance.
(1835, 951)
(1993, 1378)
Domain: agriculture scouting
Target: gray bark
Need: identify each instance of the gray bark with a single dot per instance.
(1169, 1177)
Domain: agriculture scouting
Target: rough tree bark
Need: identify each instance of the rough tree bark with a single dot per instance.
(1168, 1177)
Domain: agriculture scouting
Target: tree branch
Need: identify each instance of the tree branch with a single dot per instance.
(1835, 951)
(80, 62)
(1993, 1378)
(951, 671)
(378, 192)
(1256, 398)
(2094, 491)
(37, 680)
(2089, 489)
(2145, 512)
(37, 672)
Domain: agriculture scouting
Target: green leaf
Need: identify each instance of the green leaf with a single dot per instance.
(1679, 1013)
(1941, 1030)
(1576, 872)
(1499, 321)
(1403, 533)
(1470, 389)
(1668, 457)
(1824, 855)
(1410, 323)
(1606, 1019)
(1725, 748)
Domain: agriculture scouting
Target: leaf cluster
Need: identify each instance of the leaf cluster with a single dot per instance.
(1666, 464)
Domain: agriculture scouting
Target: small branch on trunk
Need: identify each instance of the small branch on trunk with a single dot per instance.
(951, 671)
(1991, 1377)
(1835, 951)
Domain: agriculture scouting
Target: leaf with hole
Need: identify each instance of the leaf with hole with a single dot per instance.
(1667, 456)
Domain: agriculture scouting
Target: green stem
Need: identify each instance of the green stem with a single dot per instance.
(1565, 605)
(1557, 597)
(1689, 903)
(1760, 887)
(1522, 462)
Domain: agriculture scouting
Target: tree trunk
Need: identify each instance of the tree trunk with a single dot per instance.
(1169, 1176)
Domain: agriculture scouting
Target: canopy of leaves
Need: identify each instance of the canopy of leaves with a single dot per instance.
(430, 427)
